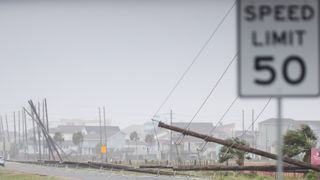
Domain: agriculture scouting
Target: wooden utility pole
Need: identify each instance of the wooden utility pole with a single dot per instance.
(252, 130)
(243, 122)
(47, 123)
(34, 134)
(249, 149)
(3, 135)
(22, 129)
(1, 132)
(23, 142)
(8, 135)
(269, 168)
(25, 133)
(14, 131)
(19, 126)
(44, 123)
(39, 133)
(101, 155)
(105, 130)
(171, 158)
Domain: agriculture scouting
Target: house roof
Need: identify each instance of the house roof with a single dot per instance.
(111, 130)
(93, 132)
(274, 120)
(70, 129)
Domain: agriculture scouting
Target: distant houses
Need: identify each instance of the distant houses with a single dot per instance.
(91, 138)
(150, 142)
(267, 139)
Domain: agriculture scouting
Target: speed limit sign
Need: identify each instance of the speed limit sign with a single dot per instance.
(278, 43)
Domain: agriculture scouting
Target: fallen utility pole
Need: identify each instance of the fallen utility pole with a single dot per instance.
(209, 138)
(269, 168)
(156, 166)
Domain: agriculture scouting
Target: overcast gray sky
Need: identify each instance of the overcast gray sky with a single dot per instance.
(126, 55)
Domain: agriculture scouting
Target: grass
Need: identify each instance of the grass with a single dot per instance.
(10, 175)
(232, 176)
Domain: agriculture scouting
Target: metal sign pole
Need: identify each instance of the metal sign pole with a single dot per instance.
(280, 141)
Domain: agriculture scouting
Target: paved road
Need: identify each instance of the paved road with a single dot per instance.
(84, 174)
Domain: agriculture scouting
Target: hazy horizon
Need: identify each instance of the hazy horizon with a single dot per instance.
(126, 56)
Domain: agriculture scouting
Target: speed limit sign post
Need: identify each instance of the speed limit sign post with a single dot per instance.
(278, 45)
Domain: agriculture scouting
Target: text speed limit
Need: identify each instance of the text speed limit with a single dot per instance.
(278, 42)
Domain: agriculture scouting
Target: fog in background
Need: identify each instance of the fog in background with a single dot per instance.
(126, 55)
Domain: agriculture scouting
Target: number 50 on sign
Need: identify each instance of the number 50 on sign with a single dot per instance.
(278, 42)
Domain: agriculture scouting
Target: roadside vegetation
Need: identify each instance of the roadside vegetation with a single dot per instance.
(10, 175)
(298, 143)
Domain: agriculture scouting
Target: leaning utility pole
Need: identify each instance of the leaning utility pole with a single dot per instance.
(249, 149)
(45, 133)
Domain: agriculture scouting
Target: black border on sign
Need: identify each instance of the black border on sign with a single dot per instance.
(238, 18)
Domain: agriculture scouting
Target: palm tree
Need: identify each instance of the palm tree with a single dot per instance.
(58, 137)
(149, 139)
(135, 137)
(77, 139)
(299, 142)
(226, 153)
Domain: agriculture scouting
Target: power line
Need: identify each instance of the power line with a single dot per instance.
(260, 113)
(195, 59)
(189, 67)
(209, 95)
(219, 122)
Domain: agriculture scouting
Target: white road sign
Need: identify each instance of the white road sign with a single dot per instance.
(278, 43)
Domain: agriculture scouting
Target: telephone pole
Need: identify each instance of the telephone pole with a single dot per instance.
(47, 123)
(8, 135)
(25, 133)
(19, 132)
(34, 133)
(242, 121)
(253, 133)
(171, 136)
(101, 156)
(3, 134)
(105, 130)
(44, 148)
(14, 131)
(23, 142)
(39, 133)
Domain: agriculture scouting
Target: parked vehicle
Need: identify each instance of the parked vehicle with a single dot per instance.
(1, 161)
